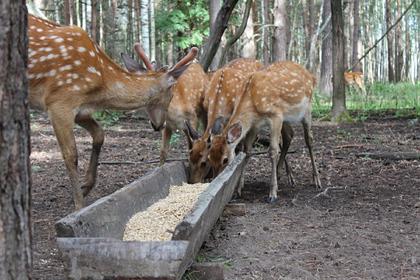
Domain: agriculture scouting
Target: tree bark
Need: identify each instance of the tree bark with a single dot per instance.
(249, 49)
(94, 21)
(220, 27)
(280, 31)
(15, 237)
(68, 19)
(214, 8)
(145, 25)
(325, 84)
(266, 31)
(339, 96)
(356, 36)
(152, 31)
(389, 37)
(399, 55)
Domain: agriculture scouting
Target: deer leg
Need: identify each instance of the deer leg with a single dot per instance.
(95, 130)
(307, 123)
(249, 140)
(275, 142)
(63, 123)
(166, 139)
(287, 136)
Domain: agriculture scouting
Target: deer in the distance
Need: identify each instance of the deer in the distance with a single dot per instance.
(186, 104)
(223, 89)
(355, 79)
(70, 77)
(278, 94)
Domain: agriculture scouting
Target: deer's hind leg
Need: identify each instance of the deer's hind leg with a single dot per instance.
(92, 126)
(307, 124)
(287, 136)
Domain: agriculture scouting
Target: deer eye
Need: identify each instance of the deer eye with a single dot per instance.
(225, 161)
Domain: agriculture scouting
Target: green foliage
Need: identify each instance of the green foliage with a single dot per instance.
(175, 138)
(188, 22)
(403, 98)
(107, 118)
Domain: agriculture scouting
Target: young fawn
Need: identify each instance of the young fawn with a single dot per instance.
(70, 77)
(226, 84)
(355, 79)
(278, 94)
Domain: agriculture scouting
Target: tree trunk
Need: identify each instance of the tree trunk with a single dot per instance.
(130, 42)
(266, 31)
(339, 96)
(399, 55)
(145, 25)
(308, 25)
(214, 8)
(68, 18)
(249, 49)
(408, 50)
(137, 20)
(15, 237)
(356, 40)
(389, 37)
(94, 21)
(152, 31)
(214, 40)
(325, 84)
(280, 31)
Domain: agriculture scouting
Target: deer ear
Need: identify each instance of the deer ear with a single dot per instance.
(177, 72)
(218, 125)
(234, 133)
(191, 133)
(132, 65)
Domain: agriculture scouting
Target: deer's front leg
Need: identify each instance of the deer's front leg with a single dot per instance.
(164, 149)
(63, 123)
(276, 125)
(307, 124)
(249, 140)
(95, 130)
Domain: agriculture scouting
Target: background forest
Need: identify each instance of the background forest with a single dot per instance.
(167, 28)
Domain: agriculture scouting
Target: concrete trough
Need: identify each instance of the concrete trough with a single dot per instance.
(90, 239)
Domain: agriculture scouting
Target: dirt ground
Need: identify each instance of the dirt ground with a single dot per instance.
(365, 226)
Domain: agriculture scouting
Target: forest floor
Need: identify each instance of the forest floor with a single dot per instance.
(366, 226)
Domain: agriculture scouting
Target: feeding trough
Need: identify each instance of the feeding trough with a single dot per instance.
(91, 239)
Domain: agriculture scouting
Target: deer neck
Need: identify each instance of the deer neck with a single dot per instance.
(127, 91)
(245, 114)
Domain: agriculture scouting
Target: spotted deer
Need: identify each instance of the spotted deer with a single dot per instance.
(223, 89)
(70, 77)
(186, 104)
(355, 79)
(279, 94)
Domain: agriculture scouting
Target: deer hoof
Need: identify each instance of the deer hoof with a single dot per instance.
(272, 200)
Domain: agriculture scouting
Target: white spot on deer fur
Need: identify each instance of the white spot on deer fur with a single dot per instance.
(65, 67)
(68, 81)
(31, 76)
(60, 83)
(81, 49)
(93, 70)
(42, 37)
(92, 53)
(59, 40)
(77, 62)
(88, 79)
(52, 73)
(40, 30)
(42, 58)
(75, 76)
(76, 87)
(31, 65)
(70, 47)
(33, 27)
(70, 39)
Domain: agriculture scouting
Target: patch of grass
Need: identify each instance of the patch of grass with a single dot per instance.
(107, 118)
(403, 99)
(175, 138)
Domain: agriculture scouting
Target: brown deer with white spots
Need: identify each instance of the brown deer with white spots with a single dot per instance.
(70, 77)
(226, 84)
(186, 104)
(355, 79)
(278, 94)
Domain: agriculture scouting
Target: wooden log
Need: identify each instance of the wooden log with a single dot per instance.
(391, 155)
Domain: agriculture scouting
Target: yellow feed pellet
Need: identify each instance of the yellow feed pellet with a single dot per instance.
(159, 220)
